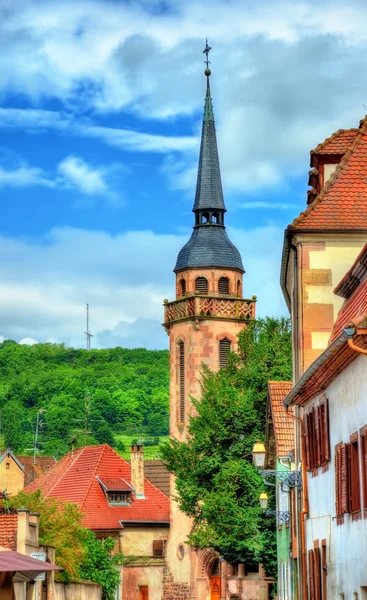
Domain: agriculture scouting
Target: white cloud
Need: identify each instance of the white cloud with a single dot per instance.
(124, 278)
(255, 204)
(82, 176)
(28, 341)
(24, 176)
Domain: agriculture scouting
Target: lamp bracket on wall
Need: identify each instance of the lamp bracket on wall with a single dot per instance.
(282, 515)
(292, 479)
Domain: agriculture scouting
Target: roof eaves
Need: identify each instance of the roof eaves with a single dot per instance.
(340, 341)
(284, 268)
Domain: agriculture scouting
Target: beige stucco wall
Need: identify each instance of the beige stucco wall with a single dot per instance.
(322, 261)
(138, 541)
(134, 577)
(77, 591)
(11, 476)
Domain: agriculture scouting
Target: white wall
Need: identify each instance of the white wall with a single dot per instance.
(346, 543)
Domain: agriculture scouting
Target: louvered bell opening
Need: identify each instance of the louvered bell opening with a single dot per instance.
(201, 285)
(223, 285)
(182, 287)
(224, 348)
(182, 382)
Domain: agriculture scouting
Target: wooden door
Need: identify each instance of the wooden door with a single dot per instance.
(215, 588)
(143, 595)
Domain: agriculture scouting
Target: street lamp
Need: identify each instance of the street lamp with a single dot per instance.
(259, 455)
(282, 515)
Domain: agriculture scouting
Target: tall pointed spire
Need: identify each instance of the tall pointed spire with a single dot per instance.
(209, 245)
(209, 193)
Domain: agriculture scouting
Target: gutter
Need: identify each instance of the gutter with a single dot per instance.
(284, 268)
(340, 341)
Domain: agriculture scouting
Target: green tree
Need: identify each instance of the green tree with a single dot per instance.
(217, 484)
(100, 566)
(11, 417)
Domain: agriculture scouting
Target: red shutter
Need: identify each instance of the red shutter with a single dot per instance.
(317, 572)
(338, 508)
(324, 569)
(345, 477)
(315, 418)
(158, 548)
(321, 411)
(311, 575)
(311, 439)
(363, 434)
(307, 442)
(326, 431)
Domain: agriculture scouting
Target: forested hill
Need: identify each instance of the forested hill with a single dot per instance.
(89, 395)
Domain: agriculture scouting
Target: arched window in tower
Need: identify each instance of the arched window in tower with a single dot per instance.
(182, 287)
(239, 288)
(223, 285)
(201, 285)
(224, 348)
(181, 407)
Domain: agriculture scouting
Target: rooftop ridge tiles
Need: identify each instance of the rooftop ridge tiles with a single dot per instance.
(334, 177)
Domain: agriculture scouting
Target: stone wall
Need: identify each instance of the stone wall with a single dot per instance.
(174, 590)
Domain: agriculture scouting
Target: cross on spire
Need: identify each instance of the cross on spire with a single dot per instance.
(206, 52)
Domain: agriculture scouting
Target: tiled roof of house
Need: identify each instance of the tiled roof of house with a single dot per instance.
(156, 472)
(74, 479)
(33, 470)
(8, 531)
(341, 204)
(338, 143)
(115, 484)
(282, 423)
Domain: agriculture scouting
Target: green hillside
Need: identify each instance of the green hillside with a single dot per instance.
(91, 397)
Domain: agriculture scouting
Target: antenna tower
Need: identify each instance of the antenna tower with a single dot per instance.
(88, 334)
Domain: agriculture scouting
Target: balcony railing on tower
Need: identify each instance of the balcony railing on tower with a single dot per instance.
(203, 306)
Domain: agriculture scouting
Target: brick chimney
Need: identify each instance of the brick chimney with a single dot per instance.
(137, 469)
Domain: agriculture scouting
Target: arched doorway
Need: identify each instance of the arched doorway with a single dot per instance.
(215, 580)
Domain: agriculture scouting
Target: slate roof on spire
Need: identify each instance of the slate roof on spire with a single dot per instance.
(209, 246)
(209, 193)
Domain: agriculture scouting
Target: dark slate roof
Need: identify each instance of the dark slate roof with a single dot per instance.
(209, 246)
(209, 194)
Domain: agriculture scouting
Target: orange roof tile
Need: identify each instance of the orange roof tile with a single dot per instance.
(74, 479)
(283, 424)
(338, 143)
(341, 204)
(8, 530)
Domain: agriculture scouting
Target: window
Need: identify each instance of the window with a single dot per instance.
(316, 434)
(342, 479)
(223, 285)
(238, 288)
(354, 482)
(159, 547)
(143, 592)
(182, 287)
(201, 285)
(363, 433)
(314, 573)
(118, 498)
(181, 351)
(224, 348)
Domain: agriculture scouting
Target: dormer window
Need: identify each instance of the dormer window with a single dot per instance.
(117, 491)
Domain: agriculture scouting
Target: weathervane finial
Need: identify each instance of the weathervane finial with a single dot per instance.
(207, 61)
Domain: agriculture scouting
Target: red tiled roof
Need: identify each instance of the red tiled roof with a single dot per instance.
(8, 531)
(353, 308)
(283, 424)
(338, 143)
(73, 479)
(32, 470)
(157, 473)
(341, 205)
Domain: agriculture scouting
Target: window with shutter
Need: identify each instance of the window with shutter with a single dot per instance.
(306, 441)
(311, 575)
(338, 485)
(316, 436)
(181, 349)
(317, 573)
(158, 547)
(354, 478)
(223, 285)
(363, 434)
(324, 569)
(201, 285)
(182, 288)
(344, 476)
(224, 348)
(326, 434)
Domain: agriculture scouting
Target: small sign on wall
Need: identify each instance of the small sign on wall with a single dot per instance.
(40, 556)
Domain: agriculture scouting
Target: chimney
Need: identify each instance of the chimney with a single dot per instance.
(137, 469)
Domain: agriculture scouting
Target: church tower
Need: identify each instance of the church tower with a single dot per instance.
(204, 320)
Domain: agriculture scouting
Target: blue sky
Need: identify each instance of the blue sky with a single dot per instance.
(100, 115)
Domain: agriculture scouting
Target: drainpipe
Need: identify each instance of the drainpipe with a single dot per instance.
(356, 348)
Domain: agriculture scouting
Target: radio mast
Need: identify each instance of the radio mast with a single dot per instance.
(88, 334)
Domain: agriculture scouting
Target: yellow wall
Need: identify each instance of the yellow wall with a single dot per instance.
(138, 541)
(11, 476)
